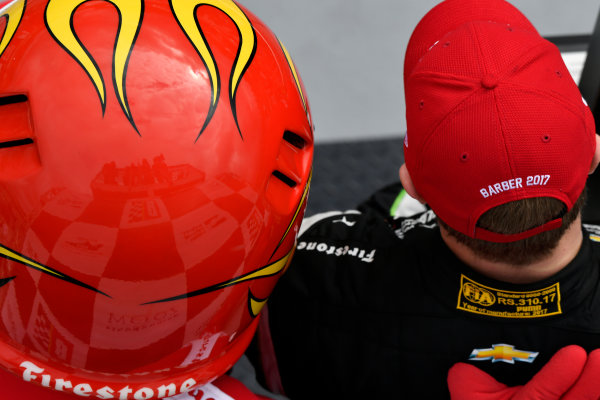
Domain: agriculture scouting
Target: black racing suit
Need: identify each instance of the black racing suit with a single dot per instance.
(379, 307)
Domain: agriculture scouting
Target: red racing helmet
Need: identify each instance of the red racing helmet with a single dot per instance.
(155, 158)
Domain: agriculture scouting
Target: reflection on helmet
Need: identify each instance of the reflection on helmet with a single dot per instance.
(154, 167)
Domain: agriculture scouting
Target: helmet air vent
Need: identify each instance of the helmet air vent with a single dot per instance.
(284, 178)
(18, 152)
(289, 175)
(294, 140)
(18, 98)
(15, 143)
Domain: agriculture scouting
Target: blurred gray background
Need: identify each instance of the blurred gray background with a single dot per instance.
(350, 54)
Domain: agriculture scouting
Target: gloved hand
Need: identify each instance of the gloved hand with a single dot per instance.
(587, 386)
(564, 370)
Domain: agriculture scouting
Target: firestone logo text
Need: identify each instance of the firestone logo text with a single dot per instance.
(33, 373)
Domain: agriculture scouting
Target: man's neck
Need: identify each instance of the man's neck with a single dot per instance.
(563, 254)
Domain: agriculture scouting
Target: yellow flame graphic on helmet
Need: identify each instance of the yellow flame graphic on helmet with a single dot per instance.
(268, 270)
(295, 74)
(185, 13)
(296, 213)
(59, 20)
(255, 304)
(13, 14)
(13, 255)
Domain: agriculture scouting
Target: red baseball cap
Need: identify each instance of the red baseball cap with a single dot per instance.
(493, 116)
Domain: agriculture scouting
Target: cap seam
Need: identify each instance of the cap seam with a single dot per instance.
(486, 71)
(441, 76)
(474, 216)
(475, 33)
(509, 70)
(450, 115)
(571, 107)
(503, 132)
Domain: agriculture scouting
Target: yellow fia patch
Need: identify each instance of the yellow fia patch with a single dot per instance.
(476, 298)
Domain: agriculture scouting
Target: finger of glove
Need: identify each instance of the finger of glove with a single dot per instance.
(467, 382)
(556, 377)
(587, 386)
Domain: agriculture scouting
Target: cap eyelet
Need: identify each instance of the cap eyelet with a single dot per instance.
(509, 28)
(558, 73)
(464, 157)
(446, 44)
(546, 138)
(421, 104)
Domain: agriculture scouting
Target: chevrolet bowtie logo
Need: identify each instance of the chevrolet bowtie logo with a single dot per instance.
(503, 352)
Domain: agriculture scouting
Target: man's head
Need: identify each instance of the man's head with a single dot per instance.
(155, 158)
(493, 117)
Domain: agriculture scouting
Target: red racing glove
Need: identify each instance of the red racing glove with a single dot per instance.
(587, 386)
(552, 382)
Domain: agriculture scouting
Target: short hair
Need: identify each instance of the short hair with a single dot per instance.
(519, 216)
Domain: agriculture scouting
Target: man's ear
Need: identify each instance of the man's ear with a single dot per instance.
(596, 158)
(408, 185)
